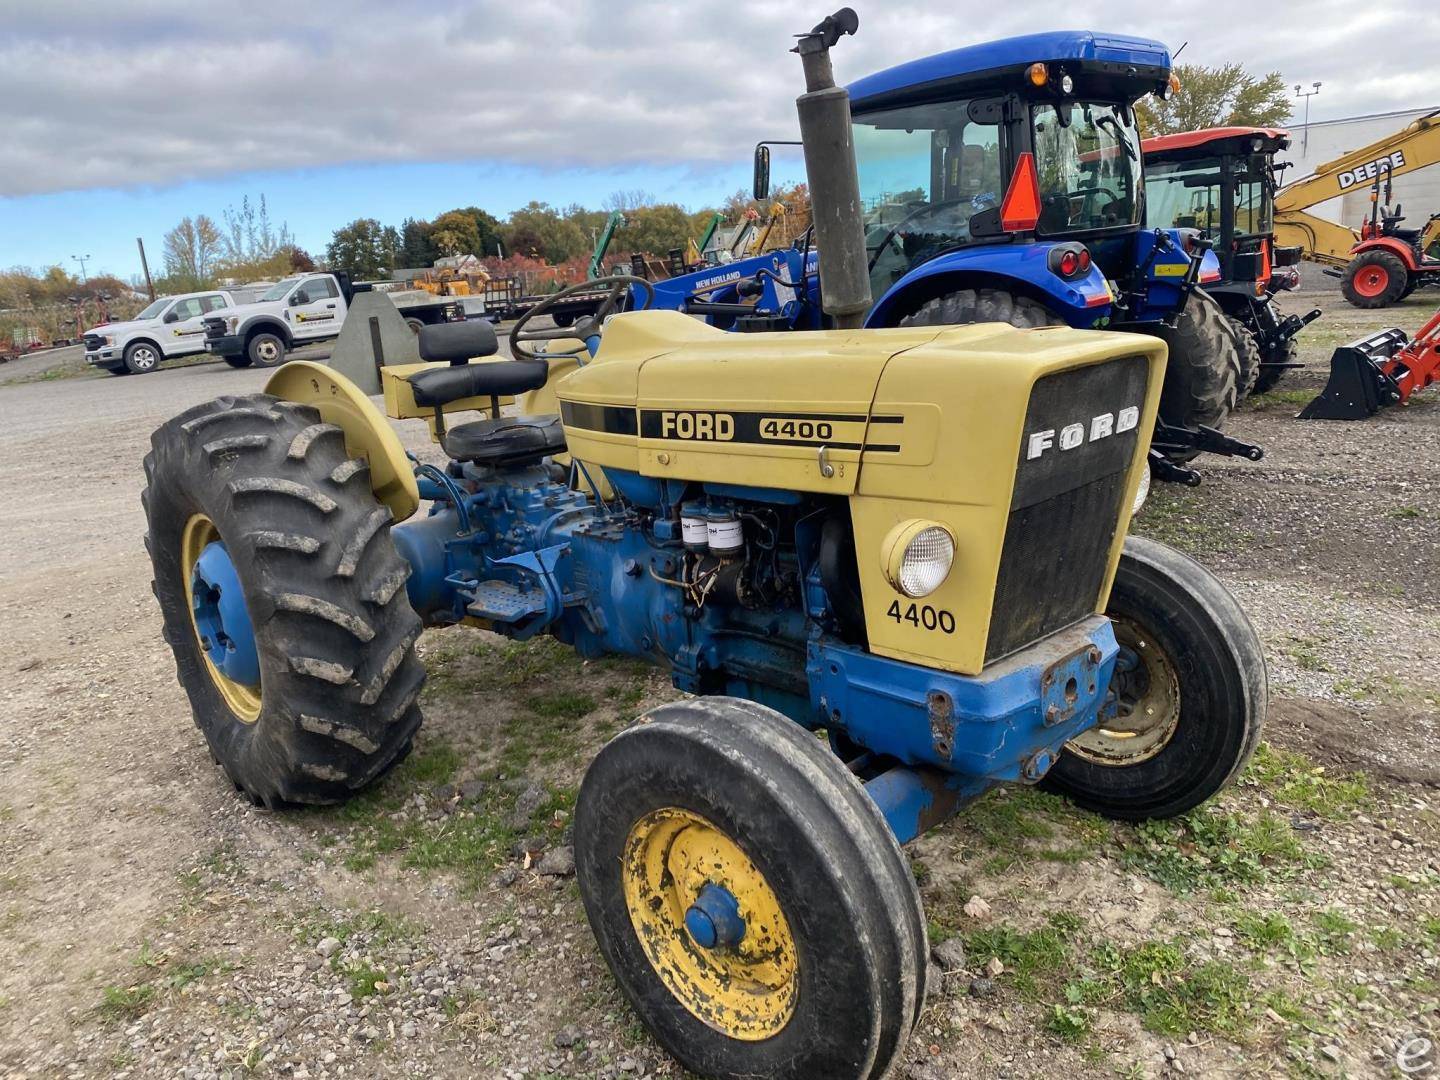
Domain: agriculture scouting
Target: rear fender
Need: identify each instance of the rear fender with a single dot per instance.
(368, 435)
(1021, 268)
(1401, 250)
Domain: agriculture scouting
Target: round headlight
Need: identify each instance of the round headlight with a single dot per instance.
(1142, 492)
(918, 556)
(1067, 84)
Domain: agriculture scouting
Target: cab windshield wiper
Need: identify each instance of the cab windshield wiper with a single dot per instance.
(1124, 140)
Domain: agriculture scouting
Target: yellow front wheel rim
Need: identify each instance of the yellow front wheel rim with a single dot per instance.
(746, 990)
(242, 700)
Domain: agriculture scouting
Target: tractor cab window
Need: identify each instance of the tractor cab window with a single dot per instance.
(925, 170)
(1088, 158)
(1189, 195)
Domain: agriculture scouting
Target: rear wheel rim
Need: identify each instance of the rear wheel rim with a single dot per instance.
(219, 619)
(1149, 704)
(267, 352)
(1372, 280)
(674, 862)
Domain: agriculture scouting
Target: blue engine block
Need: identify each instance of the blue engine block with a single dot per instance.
(523, 552)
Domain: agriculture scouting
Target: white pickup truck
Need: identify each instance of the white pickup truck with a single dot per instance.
(169, 327)
(305, 309)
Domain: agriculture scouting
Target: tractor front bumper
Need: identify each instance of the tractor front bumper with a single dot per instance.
(954, 735)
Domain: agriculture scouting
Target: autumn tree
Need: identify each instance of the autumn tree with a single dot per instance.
(191, 252)
(539, 229)
(1216, 96)
(364, 247)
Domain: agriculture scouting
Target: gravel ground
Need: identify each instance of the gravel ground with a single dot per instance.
(151, 924)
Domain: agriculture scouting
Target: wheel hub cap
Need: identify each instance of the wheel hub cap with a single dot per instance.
(220, 617)
(1147, 685)
(710, 924)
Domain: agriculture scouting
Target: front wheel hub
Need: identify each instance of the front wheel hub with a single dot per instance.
(220, 617)
(714, 919)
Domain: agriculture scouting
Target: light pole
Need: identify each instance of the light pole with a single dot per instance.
(1307, 95)
(82, 260)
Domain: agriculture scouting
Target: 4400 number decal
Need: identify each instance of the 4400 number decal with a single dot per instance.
(923, 616)
(840, 431)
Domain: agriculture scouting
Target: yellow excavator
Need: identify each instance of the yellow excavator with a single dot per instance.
(1382, 263)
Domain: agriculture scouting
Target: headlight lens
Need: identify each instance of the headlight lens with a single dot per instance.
(109, 339)
(1142, 492)
(918, 557)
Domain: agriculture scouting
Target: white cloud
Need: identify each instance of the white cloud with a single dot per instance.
(159, 91)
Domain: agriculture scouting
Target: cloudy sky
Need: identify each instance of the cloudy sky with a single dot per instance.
(118, 119)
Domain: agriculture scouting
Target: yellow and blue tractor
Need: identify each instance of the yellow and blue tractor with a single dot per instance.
(911, 540)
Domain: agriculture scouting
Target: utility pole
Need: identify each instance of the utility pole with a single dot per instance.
(144, 265)
(1307, 95)
(82, 260)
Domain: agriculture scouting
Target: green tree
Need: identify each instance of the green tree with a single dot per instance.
(654, 230)
(417, 244)
(539, 229)
(1216, 96)
(192, 252)
(455, 233)
(364, 247)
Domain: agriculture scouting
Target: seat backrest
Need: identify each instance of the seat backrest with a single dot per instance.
(457, 342)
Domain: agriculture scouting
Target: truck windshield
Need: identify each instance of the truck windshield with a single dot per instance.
(152, 311)
(1088, 158)
(924, 171)
(1187, 195)
(279, 290)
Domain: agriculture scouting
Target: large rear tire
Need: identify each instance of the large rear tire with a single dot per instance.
(983, 305)
(1202, 376)
(827, 976)
(305, 684)
(1375, 279)
(1192, 687)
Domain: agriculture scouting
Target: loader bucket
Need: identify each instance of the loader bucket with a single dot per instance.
(1358, 387)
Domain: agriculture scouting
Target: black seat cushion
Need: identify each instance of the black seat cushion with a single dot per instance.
(457, 342)
(511, 440)
(1409, 236)
(440, 386)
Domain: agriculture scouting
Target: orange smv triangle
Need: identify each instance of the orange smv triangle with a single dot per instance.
(1020, 212)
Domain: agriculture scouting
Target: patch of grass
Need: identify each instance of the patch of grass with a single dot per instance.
(433, 765)
(1305, 650)
(126, 1002)
(1388, 938)
(560, 705)
(1333, 931)
(1387, 688)
(1272, 934)
(1172, 996)
(1296, 781)
(1211, 848)
(1070, 1023)
(378, 928)
(1279, 399)
(1406, 513)
(365, 981)
(1034, 960)
(1431, 926)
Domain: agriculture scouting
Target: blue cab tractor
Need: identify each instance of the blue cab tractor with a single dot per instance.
(1004, 182)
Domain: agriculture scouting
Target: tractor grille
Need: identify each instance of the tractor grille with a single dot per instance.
(1067, 501)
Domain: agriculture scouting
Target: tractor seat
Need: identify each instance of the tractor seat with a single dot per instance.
(1409, 236)
(510, 440)
(441, 386)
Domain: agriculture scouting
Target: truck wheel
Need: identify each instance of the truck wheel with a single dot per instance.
(283, 599)
(1191, 687)
(141, 357)
(1270, 376)
(1202, 376)
(266, 350)
(748, 896)
(238, 361)
(1248, 351)
(983, 305)
(1375, 279)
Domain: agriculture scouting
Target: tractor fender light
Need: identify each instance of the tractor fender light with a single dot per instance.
(1142, 492)
(1085, 260)
(916, 557)
(1171, 87)
(1067, 84)
(1038, 74)
(1070, 262)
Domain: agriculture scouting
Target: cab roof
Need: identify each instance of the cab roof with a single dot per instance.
(1115, 57)
(1216, 140)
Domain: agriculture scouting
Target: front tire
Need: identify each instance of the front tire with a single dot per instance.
(1375, 279)
(141, 358)
(827, 978)
(305, 683)
(1248, 351)
(266, 350)
(1193, 699)
(238, 361)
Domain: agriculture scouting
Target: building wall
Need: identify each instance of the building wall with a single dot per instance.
(1418, 192)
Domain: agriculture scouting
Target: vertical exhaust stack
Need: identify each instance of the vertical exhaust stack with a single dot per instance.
(830, 170)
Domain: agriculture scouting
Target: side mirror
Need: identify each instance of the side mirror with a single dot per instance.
(761, 189)
(171, 316)
(298, 298)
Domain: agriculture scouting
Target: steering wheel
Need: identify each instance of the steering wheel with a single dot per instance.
(619, 286)
(928, 208)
